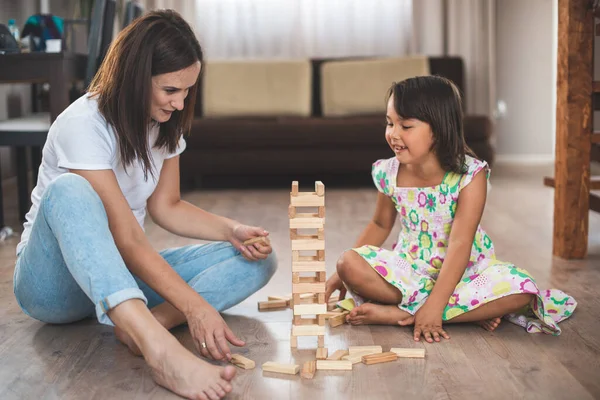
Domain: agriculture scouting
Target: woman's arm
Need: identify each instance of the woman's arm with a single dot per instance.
(382, 223)
(471, 203)
(170, 212)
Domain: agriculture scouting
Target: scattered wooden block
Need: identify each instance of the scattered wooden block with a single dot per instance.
(356, 358)
(408, 353)
(337, 355)
(341, 365)
(242, 362)
(379, 358)
(290, 369)
(322, 353)
(338, 320)
(308, 369)
(259, 239)
(362, 349)
(288, 300)
(272, 305)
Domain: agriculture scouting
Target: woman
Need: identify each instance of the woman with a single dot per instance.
(109, 157)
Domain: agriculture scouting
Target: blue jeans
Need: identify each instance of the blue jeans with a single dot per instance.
(71, 267)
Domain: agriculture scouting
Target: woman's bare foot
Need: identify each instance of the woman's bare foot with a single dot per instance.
(376, 314)
(127, 341)
(178, 370)
(489, 324)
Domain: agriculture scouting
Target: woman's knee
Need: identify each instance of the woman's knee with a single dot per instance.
(267, 268)
(70, 193)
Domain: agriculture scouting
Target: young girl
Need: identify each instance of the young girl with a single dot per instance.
(443, 266)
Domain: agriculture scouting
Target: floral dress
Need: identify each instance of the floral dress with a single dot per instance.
(414, 263)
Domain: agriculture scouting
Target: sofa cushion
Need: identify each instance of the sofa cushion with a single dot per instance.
(256, 88)
(358, 87)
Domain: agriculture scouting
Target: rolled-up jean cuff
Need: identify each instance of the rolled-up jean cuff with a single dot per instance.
(110, 302)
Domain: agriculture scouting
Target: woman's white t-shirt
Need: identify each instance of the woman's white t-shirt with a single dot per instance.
(80, 138)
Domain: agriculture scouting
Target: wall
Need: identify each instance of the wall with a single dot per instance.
(526, 64)
(19, 10)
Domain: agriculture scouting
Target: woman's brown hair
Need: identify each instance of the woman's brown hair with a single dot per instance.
(437, 101)
(157, 43)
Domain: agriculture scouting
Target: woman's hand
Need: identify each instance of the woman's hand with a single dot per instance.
(211, 333)
(428, 323)
(334, 283)
(255, 251)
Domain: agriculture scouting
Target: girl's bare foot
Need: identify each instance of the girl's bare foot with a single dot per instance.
(376, 314)
(178, 370)
(489, 324)
(127, 341)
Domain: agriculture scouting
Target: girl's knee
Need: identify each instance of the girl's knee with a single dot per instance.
(347, 264)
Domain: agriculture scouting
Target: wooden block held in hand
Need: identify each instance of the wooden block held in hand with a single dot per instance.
(362, 349)
(259, 239)
(379, 358)
(308, 369)
(290, 369)
(272, 305)
(342, 365)
(337, 355)
(408, 353)
(338, 320)
(322, 353)
(242, 362)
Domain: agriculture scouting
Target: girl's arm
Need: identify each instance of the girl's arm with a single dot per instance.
(382, 223)
(170, 212)
(469, 210)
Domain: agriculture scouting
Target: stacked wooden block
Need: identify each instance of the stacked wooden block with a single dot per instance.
(307, 234)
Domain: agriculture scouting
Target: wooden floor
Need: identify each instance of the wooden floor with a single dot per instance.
(84, 361)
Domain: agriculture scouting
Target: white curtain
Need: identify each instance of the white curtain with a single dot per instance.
(464, 28)
(303, 28)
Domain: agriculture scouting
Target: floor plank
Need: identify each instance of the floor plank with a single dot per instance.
(84, 360)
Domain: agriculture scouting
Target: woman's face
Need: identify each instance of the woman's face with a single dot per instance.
(170, 90)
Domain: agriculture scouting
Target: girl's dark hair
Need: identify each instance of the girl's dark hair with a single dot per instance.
(436, 101)
(159, 42)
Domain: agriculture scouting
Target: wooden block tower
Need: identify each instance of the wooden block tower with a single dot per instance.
(308, 271)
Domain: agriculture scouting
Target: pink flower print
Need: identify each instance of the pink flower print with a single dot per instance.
(403, 211)
(442, 198)
(422, 199)
(381, 270)
(424, 226)
(413, 297)
(413, 226)
(453, 300)
(440, 244)
(394, 246)
(527, 286)
(414, 249)
(480, 257)
(473, 277)
(474, 302)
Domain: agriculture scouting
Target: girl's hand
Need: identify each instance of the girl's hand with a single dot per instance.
(334, 283)
(211, 333)
(255, 251)
(428, 323)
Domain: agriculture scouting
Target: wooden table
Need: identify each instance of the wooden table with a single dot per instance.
(57, 69)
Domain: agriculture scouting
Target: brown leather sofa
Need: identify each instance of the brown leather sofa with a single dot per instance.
(272, 151)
